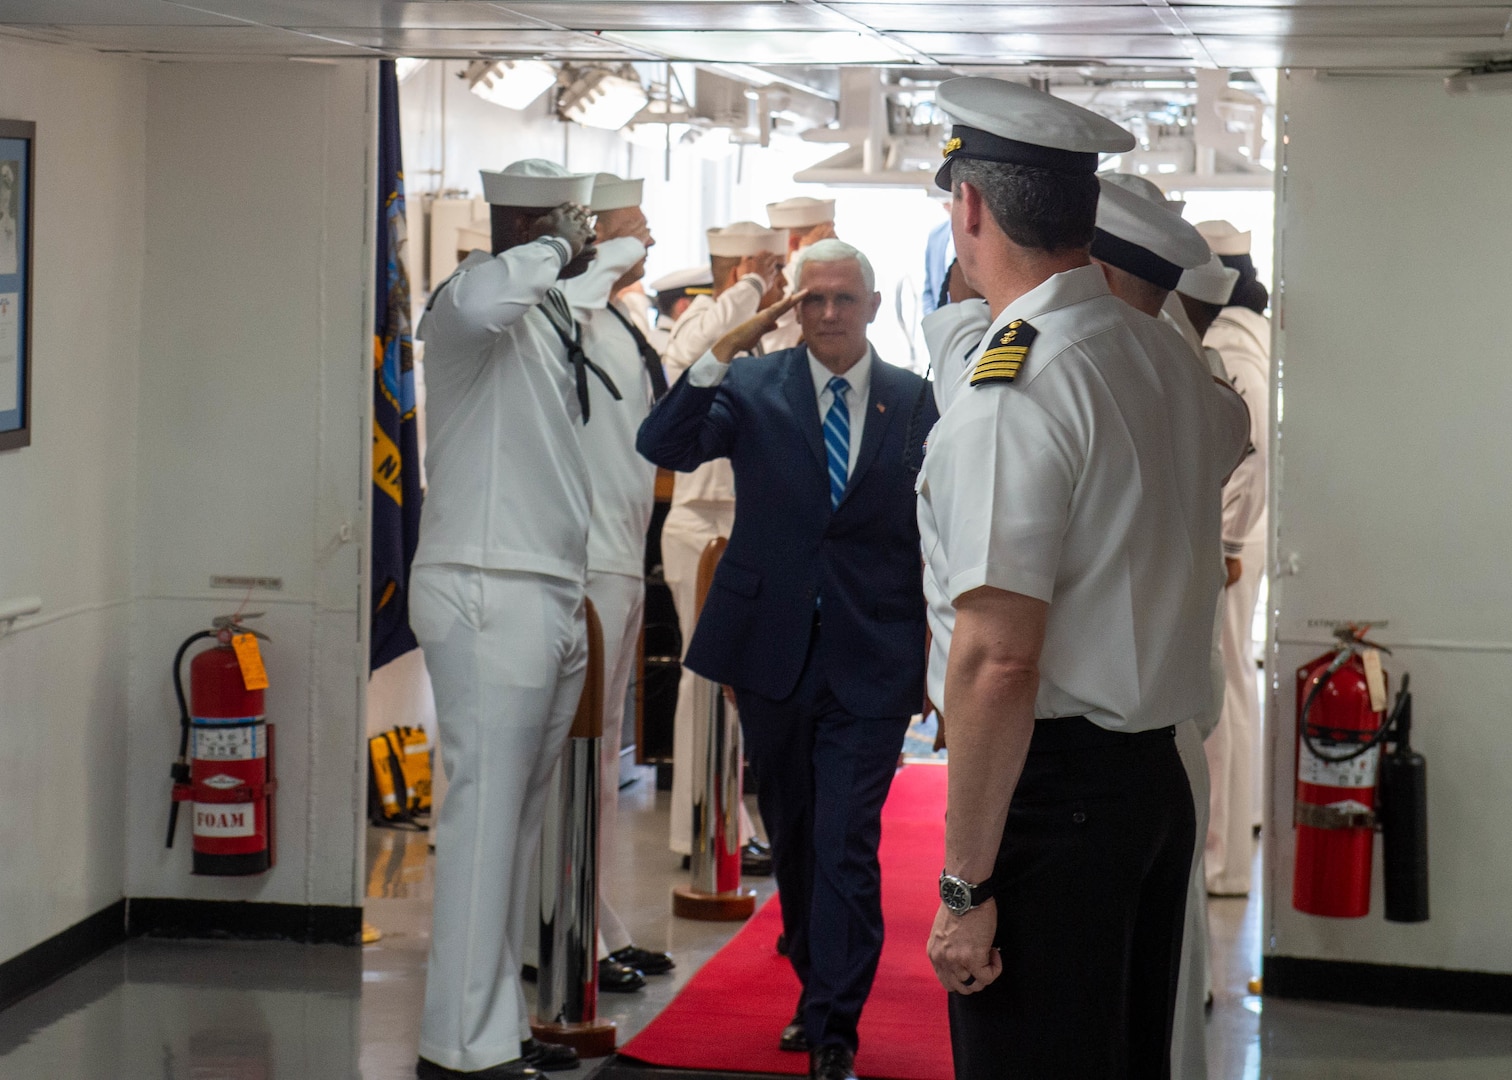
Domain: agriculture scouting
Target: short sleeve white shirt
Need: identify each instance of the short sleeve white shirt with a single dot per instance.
(1091, 482)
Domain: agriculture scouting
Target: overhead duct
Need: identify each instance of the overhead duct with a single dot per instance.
(887, 144)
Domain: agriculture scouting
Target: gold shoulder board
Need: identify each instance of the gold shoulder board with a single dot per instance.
(1003, 358)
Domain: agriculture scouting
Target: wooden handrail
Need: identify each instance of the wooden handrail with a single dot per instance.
(708, 562)
(589, 721)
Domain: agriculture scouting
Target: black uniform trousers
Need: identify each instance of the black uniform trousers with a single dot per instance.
(822, 776)
(1091, 885)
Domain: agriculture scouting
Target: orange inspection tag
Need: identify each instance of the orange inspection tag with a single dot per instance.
(1375, 680)
(249, 656)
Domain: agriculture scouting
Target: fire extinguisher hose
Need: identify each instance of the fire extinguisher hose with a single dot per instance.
(1374, 741)
(180, 770)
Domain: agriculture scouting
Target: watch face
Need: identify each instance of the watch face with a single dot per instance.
(955, 894)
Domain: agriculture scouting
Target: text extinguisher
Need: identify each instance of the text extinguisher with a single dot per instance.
(225, 758)
(1346, 790)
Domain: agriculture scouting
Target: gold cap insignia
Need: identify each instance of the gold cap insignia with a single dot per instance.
(1001, 363)
(951, 147)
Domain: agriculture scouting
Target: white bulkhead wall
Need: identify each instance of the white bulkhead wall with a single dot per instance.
(1390, 476)
(256, 386)
(66, 501)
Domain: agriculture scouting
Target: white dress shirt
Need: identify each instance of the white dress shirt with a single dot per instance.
(1092, 482)
(710, 372)
(859, 377)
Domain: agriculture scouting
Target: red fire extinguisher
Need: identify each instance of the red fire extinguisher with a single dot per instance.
(225, 758)
(1346, 792)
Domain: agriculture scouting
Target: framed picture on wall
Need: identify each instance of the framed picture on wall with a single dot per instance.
(18, 139)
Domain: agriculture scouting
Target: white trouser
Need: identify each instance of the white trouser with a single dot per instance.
(620, 601)
(1189, 1034)
(506, 652)
(689, 528)
(621, 604)
(1233, 746)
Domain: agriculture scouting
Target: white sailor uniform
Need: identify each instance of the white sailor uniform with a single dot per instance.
(703, 509)
(497, 605)
(624, 495)
(1243, 339)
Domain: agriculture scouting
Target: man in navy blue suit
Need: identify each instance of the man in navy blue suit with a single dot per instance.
(816, 614)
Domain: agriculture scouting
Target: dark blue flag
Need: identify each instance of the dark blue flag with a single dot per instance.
(396, 452)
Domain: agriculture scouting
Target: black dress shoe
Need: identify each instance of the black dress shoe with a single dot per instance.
(832, 1062)
(643, 960)
(756, 860)
(509, 1070)
(794, 1037)
(548, 1057)
(617, 978)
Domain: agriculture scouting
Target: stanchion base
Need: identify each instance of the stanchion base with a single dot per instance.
(594, 1039)
(734, 906)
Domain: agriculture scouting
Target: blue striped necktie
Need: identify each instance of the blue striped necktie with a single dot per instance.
(837, 439)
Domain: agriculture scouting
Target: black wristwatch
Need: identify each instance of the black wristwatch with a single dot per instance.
(960, 896)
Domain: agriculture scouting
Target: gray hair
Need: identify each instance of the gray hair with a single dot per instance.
(832, 250)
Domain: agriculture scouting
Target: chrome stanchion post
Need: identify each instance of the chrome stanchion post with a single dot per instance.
(713, 892)
(567, 972)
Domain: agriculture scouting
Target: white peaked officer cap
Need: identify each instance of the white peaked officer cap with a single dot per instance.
(612, 192)
(1223, 238)
(536, 183)
(746, 238)
(1212, 282)
(800, 213)
(992, 120)
(1145, 238)
(695, 277)
(1146, 189)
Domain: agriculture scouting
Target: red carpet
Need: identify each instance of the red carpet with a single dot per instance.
(728, 1017)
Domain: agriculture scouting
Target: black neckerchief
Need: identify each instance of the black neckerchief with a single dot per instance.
(559, 314)
(648, 355)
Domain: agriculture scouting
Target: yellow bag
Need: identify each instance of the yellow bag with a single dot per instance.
(399, 781)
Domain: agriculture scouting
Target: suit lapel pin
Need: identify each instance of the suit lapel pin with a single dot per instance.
(881, 408)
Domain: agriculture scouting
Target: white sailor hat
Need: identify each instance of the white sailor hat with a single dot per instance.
(1212, 282)
(1223, 238)
(694, 280)
(536, 183)
(612, 192)
(993, 120)
(1144, 238)
(800, 213)
(746, 238)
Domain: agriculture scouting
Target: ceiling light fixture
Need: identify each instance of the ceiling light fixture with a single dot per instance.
(597, 97)
(514, 84)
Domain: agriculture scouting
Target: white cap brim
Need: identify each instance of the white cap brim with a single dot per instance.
(612, 192)
(537, 192)
(1212, 282)
(1223, 238)
(800, 213)
(1151, 226)
(746, 238)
